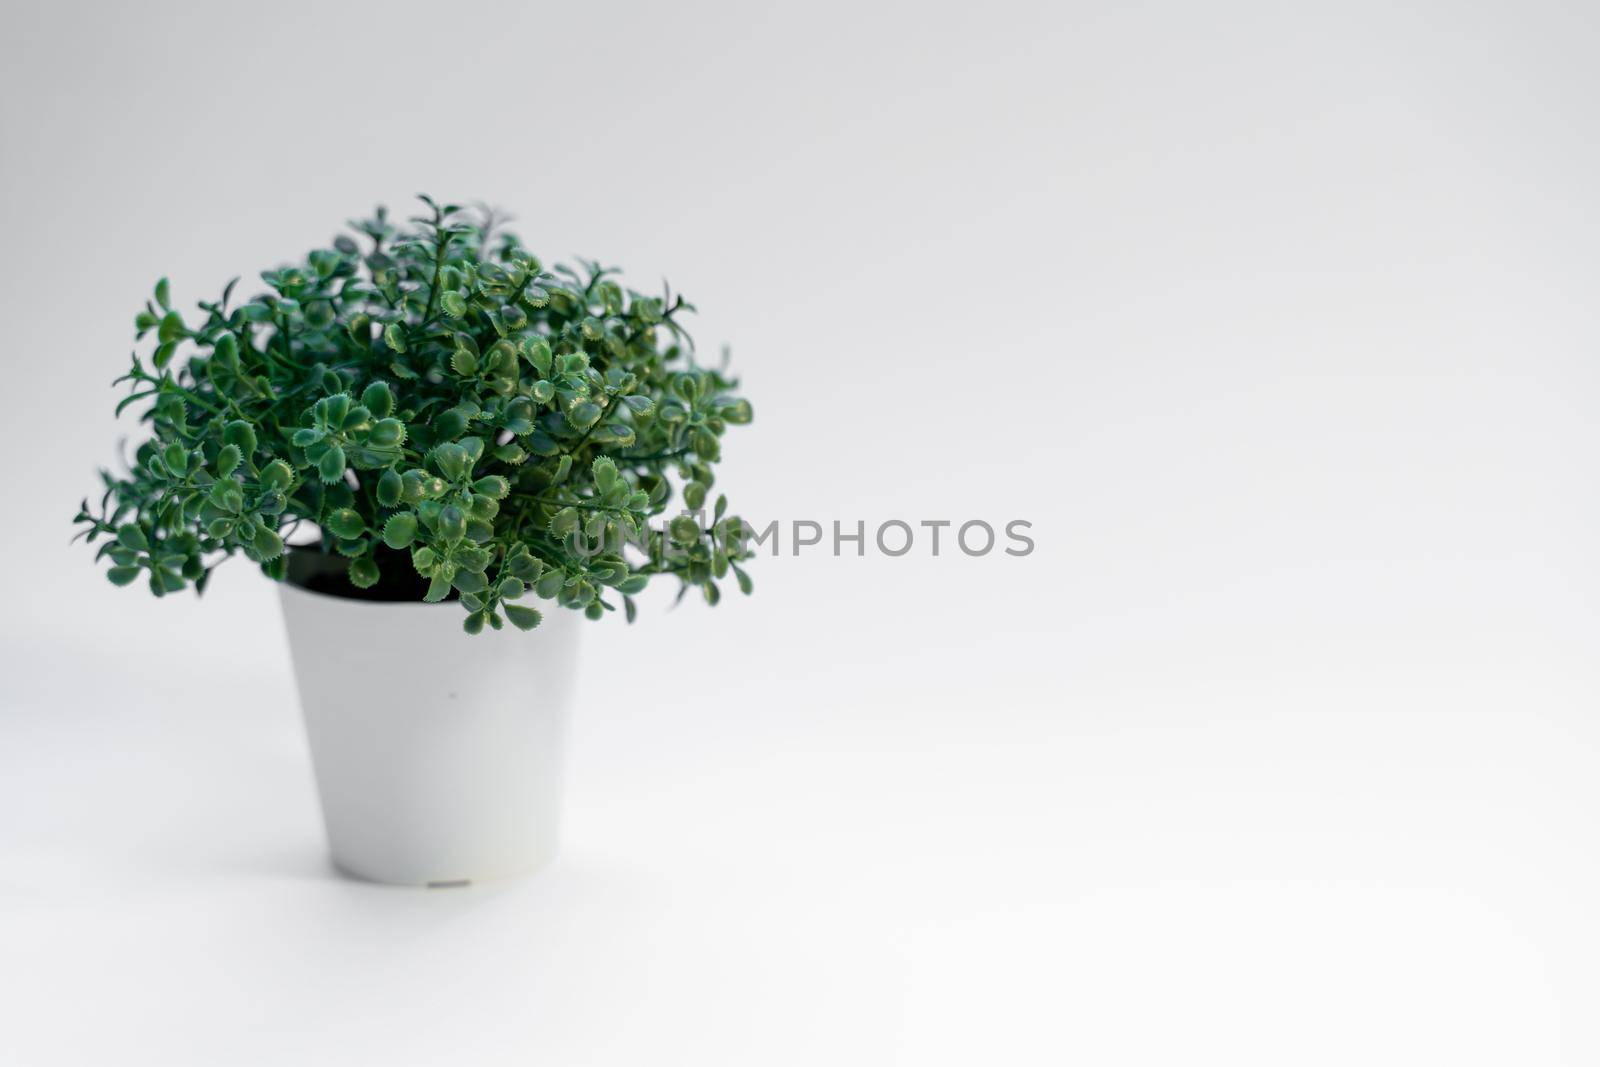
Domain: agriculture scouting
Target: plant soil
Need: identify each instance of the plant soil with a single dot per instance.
(319, 572)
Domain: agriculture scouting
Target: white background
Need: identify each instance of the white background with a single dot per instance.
(1277, 321)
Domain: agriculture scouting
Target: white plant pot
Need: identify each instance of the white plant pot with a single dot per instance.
(437, 754)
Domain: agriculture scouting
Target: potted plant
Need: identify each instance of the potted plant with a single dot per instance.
(420, 414)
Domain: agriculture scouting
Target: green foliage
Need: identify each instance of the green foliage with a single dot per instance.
(515, 429)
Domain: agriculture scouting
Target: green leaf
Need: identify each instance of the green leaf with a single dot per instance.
(705, 445)
(356, 419)
(524, 564)
(390, 487)
(452, 461)
(537, 353)
(452, 523)
(464, 363)
(470, 582)
(131, 536)
(363, 573)
(387, 433)
(176, 457)
(241, 435)
(394, 337)
(618, 434)
(684, 530)
(511, 453)
(171, 328)
(418, 485)
(550, 583)
(493, 486)
(277, 475)
(605, 474)
(164, 294)
(501, 360)
(333, 409)
(227, 495)
(228, 460)
(523, 618)
(564, 522)
(400, 530)
(225, 351)
(123, 575)
(330, 468)
(473, 558)
(268, 544)
(346, 523)
(378, 399)
(162, 583)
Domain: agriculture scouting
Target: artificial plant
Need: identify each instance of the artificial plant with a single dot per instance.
(431, 400)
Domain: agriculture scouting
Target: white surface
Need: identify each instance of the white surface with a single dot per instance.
(1279, 323)
(437, 759)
